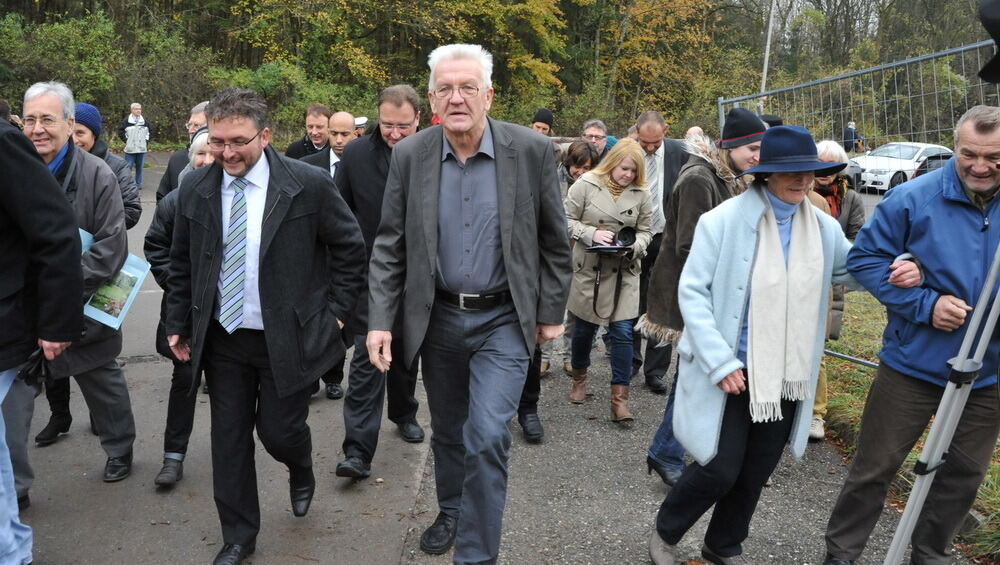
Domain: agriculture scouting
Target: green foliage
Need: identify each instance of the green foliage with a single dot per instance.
(80, 52)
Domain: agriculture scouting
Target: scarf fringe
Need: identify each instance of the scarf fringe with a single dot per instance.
(662, 335)
(793, 390)
(765, 411)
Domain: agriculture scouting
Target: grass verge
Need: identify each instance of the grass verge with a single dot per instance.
(848, 383)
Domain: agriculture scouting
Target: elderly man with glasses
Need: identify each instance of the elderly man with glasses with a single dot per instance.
(474, 230)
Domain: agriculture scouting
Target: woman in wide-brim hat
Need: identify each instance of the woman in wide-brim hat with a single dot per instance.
(752, 294)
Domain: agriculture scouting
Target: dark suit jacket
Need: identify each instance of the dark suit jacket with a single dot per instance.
(319, 159)
(302, 147)
(169, 182)
(41, 282)
(312, 265)
(674, 157)
(532, 232)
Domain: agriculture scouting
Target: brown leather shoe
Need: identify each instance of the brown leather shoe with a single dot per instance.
(619, 404)
(578, 390)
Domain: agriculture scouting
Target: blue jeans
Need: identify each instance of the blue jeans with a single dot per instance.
(665, 449)
(134, 160)
(620, 339)
(15, 537)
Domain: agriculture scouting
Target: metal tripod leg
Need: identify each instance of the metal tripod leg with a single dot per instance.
(964, 371)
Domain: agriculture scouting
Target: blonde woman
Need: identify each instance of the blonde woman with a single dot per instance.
(605, 206)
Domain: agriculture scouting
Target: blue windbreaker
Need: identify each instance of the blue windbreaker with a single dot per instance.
(955, 241)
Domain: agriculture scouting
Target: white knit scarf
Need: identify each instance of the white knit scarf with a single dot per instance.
(784, 308)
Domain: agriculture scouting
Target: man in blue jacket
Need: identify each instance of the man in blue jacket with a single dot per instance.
(950, 221)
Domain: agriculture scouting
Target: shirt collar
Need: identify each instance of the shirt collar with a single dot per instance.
(485, 145)
(257, 175)
(333, 157)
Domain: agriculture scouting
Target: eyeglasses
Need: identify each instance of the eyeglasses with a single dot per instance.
(45, 121)
(466, 91)
(594, 137)
(217, 145)
(194, 125)
(401, 128)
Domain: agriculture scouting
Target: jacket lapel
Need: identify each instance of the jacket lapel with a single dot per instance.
(506, 161)
(429, 174)
(210, 189)
(281, 188)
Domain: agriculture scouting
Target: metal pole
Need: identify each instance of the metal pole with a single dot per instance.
(767, 58)
(722, 115)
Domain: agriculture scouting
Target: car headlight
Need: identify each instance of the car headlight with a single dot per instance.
(877, 171)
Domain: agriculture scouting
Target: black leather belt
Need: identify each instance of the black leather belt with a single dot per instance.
(473, 301)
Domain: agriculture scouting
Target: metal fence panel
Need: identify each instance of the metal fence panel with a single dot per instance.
(917, 100)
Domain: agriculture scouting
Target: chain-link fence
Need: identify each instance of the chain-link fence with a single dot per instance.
(917, 100)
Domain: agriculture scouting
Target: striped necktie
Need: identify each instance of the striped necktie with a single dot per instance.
(234, 263)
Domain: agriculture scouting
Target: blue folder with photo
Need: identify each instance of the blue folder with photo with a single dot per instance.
(111, 302)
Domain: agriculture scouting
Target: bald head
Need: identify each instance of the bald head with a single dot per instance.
(341, 131)
(693, 131)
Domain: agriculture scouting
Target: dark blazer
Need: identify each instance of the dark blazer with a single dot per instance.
(169, 182)
(126, 183)
(319, 159)
(312, 266)
(301, 148)
(674, 157)
(41, 282)
(532, 232)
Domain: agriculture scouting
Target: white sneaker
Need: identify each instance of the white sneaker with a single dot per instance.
(817, 429)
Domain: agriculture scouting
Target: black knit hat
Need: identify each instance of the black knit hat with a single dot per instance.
(989, 15)
(741, 127)
(543, 115)
(771, 120)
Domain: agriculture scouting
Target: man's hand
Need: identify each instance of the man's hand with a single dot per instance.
(179, 345)
(52, 349)
(733, 383)
(604, 237)
(949, 313)
(379, 352)
(547, 332)
(905, 274)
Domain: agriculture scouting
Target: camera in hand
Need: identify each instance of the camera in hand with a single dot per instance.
(619, 245)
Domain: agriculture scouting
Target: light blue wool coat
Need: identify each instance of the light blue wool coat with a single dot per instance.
(713, 296)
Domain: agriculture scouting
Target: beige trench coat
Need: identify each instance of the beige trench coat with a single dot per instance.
(590, 207)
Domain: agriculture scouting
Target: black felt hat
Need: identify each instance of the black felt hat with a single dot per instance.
(742, 127)
(989, 15)
(771, 120)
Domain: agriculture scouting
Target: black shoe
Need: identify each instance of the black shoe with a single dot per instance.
(117, 468)
(531, 426)
(23, 502)
(439, 538)
(233, 554)
(334, 391)
(301, 486)
(656, 385)
(354, 468)
(668, 475)
(411, 432)
(171, 472)
(635, 370)
(204, 388)
(831, 560)
(50, 433)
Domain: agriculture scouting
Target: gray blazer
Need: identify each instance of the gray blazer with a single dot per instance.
(532, 232)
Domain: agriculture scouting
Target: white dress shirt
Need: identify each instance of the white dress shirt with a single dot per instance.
(255, 194)
(334, 159)
(656, 189)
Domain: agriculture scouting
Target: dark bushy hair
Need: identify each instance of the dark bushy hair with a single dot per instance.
(238, 102)
(579, 153)
(399, 95)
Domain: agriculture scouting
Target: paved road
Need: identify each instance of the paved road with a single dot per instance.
(581, 497)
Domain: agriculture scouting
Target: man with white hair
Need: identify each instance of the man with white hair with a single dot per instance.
(852, 139)
(474, 230)
(134, 130)
(92, 189)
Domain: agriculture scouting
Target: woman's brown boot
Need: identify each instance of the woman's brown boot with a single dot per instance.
(578, 391)
(619, 404)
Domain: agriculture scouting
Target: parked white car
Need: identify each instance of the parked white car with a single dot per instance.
(894, 163)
